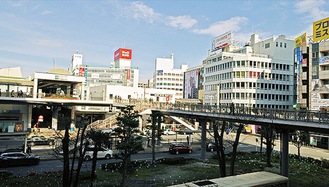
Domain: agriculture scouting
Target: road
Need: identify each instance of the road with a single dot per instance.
(57, 165)
(247, 143)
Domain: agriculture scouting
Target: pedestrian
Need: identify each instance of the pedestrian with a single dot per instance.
(28, 150)
(232, 108)
(188, 140)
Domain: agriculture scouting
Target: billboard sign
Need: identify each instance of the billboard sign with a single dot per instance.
(191, 84)
(300, 40)
(324, 60)
(221, 41)
(320, 30)
(123, 53)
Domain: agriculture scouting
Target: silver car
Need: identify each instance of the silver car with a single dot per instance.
(102, 152)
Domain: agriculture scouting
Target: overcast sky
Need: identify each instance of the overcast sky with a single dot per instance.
(41, 35)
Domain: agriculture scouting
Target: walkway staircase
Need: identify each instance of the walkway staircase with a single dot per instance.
(184, 122)
(107, 123)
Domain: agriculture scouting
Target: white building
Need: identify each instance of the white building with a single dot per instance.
(122, 74)
(167, 78)
(260, 75)
(124, 94)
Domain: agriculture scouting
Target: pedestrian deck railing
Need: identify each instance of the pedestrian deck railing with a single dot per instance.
(275, 114)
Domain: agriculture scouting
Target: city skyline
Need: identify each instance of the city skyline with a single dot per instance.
(42, 35)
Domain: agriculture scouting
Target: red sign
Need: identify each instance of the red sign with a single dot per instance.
(40, 118)
(81, 72)
(122, 53)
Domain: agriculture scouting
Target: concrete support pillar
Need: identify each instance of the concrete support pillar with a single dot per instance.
(35, 88)
(159, 130)
(203, 138)
(285, 152)
(29, 118)
(73, 118)
(54, 118)
(154, 120)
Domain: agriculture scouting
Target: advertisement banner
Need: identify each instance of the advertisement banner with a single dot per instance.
(221, 41)
(324, 60)
(320, 30)
(300, 40)
(122, 53)
(191, 84)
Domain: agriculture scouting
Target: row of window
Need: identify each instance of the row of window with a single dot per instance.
(170, 79)
(248, 74)
(268, 45)
(253, 96)
(247, 63)
(170, 74)
(169, 84)
(177, 89)
(249, 85)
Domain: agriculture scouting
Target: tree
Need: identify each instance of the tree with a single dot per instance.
(220, 148)
(130, 142)
(267, 133)
(301, 138)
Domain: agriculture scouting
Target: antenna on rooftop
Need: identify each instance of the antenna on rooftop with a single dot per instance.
(53, 63)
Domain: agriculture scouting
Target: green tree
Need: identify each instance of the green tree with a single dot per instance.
(130, 142)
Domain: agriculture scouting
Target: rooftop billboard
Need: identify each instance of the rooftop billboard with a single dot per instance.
(320, 30)
(300, 40)
(221, 41)
(122, 53)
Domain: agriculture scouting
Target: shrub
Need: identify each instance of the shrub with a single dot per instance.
(173, 161)
(325, 163)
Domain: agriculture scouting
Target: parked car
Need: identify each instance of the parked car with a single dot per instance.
(211, 146)
(168, 132)
(40, 140)
(18, 159)
(179, 148)
(102, 152)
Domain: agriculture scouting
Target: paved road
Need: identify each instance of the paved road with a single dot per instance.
(247, 143)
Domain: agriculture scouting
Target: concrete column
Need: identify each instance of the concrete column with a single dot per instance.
(29, 118)
(285, 152)
(54, 118)
(35, 88)
(72, 117)
(203, 138)
(154, 119)
(159, 129)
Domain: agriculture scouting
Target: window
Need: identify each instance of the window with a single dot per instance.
(267, 45)
(277, 44)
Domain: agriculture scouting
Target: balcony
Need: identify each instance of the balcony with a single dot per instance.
(324, 75)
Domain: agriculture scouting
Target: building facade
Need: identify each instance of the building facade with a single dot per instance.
(167, 78)
(260, 74)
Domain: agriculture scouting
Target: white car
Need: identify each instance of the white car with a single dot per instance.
(169, 132)
(102, 152)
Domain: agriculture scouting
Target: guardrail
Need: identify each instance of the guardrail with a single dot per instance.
(292, 115)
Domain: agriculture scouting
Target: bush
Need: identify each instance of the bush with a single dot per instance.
(173, 161)
(325, 163)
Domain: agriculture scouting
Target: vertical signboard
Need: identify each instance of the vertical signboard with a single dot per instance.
(191, 84)
(320, 30)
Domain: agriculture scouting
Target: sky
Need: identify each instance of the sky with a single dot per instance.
(40, 35)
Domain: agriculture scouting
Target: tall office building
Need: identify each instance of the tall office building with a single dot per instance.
(166, 77)
(260, 74)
